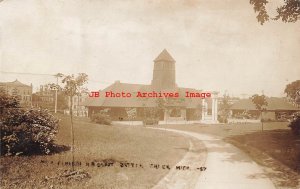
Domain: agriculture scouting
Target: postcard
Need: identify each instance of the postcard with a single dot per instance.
(150, 94)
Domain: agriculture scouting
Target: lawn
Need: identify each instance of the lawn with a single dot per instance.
(275, 148)
(96, 145)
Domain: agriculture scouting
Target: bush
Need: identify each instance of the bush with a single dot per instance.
(101, 118)
(27, 131)
(150, 121)
(222, 119)
(295, 125)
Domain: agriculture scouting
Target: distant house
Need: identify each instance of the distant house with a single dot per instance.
(44, 98)
(20, 90)
(77, 108)
(275, 109)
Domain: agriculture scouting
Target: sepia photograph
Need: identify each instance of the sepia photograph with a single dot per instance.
(150, 94)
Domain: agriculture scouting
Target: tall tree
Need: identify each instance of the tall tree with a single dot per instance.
(291, 89)
(260, 102)
(225, 108)
(289, 12)
(165, 104)
(73, 86)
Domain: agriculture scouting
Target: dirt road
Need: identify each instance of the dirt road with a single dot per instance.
(227, 167)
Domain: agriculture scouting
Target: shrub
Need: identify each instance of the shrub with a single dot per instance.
(101, 118)
(150, 121)
(7, 101)
(222, 119)
(27, 131)
(295, 124)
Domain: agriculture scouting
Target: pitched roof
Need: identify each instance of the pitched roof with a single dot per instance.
(164, 56)
(15, 83)
(118, 87)
(134, 101)
(274, 103)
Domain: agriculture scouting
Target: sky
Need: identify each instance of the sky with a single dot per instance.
(218, 45)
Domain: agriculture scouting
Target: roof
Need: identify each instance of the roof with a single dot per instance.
(118, 87)
(134, 101)
(14, 83)
(274, 103)
(164, 56)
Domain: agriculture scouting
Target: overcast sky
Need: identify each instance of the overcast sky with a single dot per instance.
(218, 45)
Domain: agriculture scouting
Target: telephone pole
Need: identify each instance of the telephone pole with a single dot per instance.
(56, 89)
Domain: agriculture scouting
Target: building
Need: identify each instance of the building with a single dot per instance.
(44, 98)
(77, 108)
(164, 72)
(163, 81)
(20, 90)
(277, 108)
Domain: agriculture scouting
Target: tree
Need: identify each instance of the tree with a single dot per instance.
(289, 12)
(62, 102)
(260, 101)
(169, 103)
(25, 131)
(7, 101)
(291, 90)
(295, 124)
(225, 108)
(73, 86)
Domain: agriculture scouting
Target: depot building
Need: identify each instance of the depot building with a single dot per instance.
(154, 94)
(170, 102)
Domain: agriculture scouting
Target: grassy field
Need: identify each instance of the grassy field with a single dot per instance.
(275, 148)
(98, 144)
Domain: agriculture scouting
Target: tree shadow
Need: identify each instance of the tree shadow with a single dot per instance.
(36, 151)
(56, 149)
(279, 144)
(278, 151)
(228, 152)
(257, 176)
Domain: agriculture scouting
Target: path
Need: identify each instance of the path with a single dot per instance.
(227, 168)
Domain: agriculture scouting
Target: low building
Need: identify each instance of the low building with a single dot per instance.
(276, 109)
(20, 90)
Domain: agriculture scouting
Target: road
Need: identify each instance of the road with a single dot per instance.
(227, 167)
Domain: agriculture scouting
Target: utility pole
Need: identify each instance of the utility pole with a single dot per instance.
(56, 89)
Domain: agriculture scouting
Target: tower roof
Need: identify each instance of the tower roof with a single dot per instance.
(164, 55)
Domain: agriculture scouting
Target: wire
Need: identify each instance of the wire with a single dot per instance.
(45, 74)
(26, 73)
